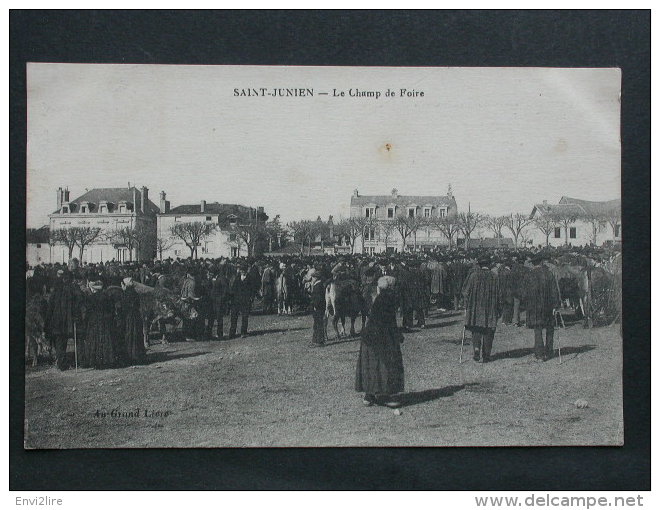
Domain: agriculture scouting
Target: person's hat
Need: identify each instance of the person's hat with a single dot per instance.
(483, 261)
(128, 281)
(60, 272)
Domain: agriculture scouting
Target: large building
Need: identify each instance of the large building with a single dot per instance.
(37, 246)
(224, 239)
(586, 222)
(385, 209)
(113, 211)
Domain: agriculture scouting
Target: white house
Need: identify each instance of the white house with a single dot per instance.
(386, 208)
(579, 232)
(109, 209)
(37, 247)
(224, 240)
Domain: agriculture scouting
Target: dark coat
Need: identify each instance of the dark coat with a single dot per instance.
(132, 326)
(380, 364)
(241, 293)
(101, 347)
(482, 298)
(317, 297)
(62, 309)
(540, 296)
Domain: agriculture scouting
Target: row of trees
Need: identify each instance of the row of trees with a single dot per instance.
(254, 235)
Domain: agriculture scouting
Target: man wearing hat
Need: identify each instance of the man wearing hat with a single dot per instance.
(482, 300)
(317, 302)
(240, 298)
(60, 316)
(540, 297)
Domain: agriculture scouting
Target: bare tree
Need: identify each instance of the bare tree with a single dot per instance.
(467, 223)
(387, 229)
(598, 221)
(517, 223)
(274, 231)
(613, 217)
(406, 226)
(496, 224)
(85, 236)
(448, 225)
(64, 236)
(129, 237)
(298, 231)
(250, 232)
(192, 233)
(546, 224)
(162, 245)
(369, 227)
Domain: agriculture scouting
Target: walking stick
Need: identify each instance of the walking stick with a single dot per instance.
(75, 345)
(460, 361)
(557, 312)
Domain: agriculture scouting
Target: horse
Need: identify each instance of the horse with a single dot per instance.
(160, 306)
(283, 290)
(343, 299)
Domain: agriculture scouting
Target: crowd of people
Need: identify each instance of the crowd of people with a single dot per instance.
(99, 304)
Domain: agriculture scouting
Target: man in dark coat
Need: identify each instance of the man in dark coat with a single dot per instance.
(189, 296)
(268, 289)
(241, 293)
(541, 297)
(219, 293)
(317, 302)
(379, 372)
(61, 313)
(482, 300)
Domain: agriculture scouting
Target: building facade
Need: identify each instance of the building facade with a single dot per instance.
(383, 236)
(37, 246)
(224, 240)
(111, 210)
(578, 230)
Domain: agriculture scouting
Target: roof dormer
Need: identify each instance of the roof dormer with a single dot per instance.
(86, 207)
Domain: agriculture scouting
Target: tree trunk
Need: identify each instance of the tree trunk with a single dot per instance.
(70, 251)
(82, 249)
(565, 235)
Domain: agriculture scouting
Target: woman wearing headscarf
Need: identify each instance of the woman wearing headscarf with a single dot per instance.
(379, 371)
(131, 324)
(101, 348)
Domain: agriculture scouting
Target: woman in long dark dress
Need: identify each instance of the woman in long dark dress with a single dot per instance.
(133, 334)
(101, 346)
(379, 371)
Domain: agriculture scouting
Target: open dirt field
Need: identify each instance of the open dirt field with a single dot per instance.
(271, 389)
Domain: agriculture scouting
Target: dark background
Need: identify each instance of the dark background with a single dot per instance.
(352, 38)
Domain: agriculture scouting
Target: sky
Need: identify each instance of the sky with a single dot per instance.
(504, 138)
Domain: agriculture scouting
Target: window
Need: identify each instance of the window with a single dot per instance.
(38, 245)
(177, 218)
(370, 212)
(427, 212)
(557, 232)
(370, 234)
(209, 218)
(572, 233)
(176, 252)
(617, 230)
(390, 212)
(411, 212)
(103, 209)
(234, 252)
(83, 208)
(442, 213)
(122, 208)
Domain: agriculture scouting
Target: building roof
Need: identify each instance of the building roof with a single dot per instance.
(577, 206)
(112, 195)
(213, 208)
(39, 235)
(403, 200)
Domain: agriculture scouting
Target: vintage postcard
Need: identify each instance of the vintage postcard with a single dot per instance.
(259, 256)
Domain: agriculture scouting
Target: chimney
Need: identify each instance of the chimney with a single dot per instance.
(395, 192)
(202, 206)
(144, 196)
(66, 194)
(134, 199)
(60, 196)
(164, 204)
(450, 192)
(356, 193)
